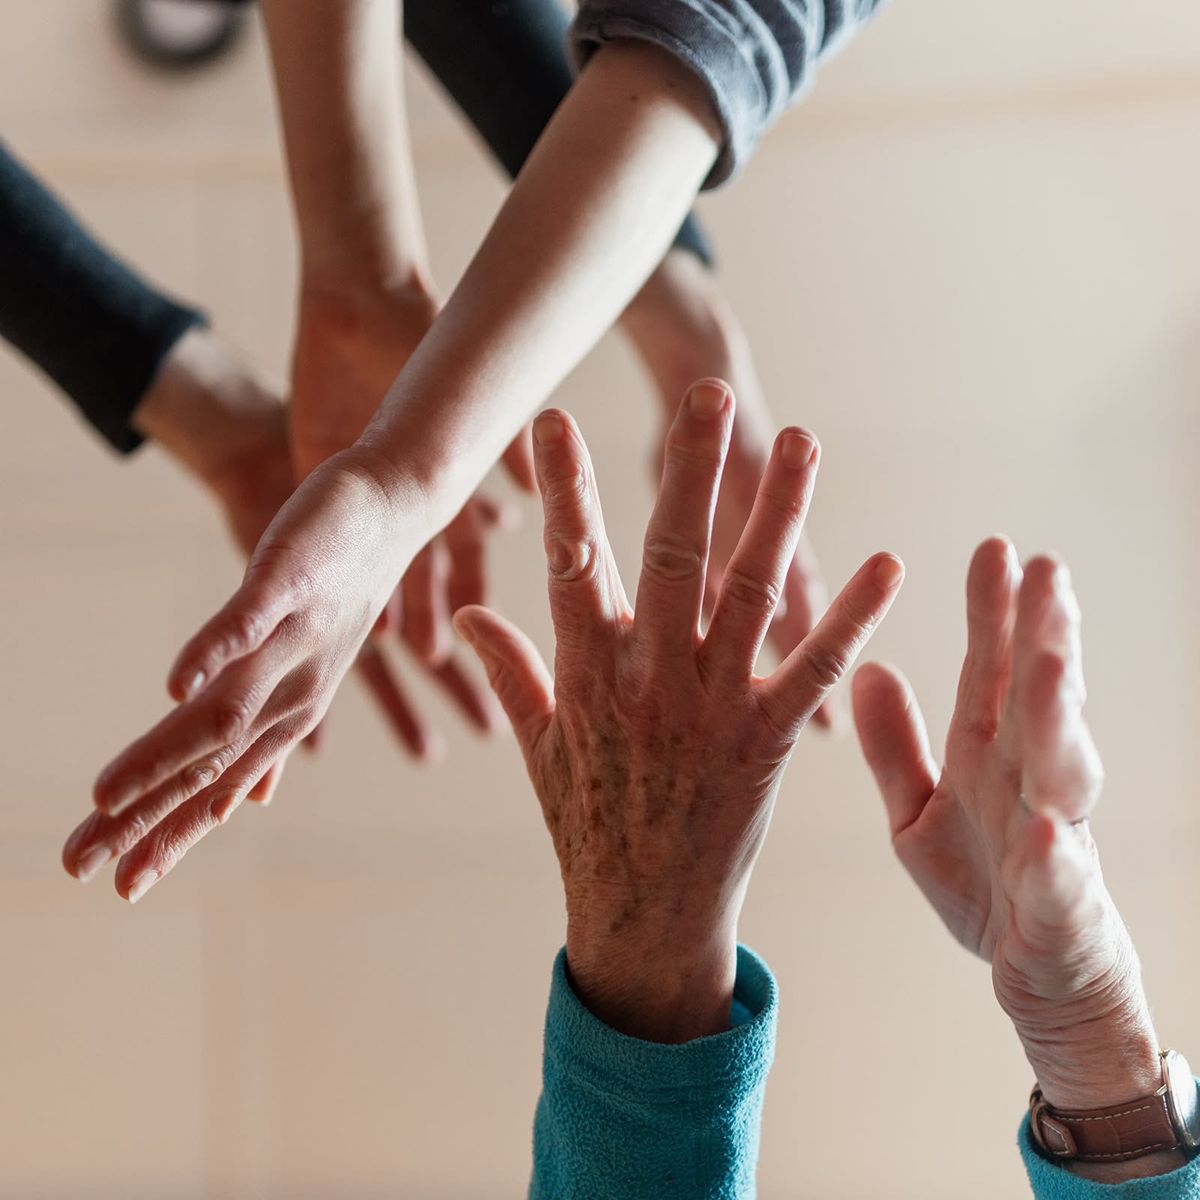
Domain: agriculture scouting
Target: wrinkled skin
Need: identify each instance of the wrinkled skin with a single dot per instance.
(656, 753)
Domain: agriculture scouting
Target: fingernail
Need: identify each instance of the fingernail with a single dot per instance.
(707, 399)
(889, 571)
(140, 886)
(797, 450)
(91, 862)
(548, 429)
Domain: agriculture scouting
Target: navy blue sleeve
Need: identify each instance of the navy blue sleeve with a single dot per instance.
(86, 319)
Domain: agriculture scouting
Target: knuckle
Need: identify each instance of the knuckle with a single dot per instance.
(688, 454)
(671, 561)
(571, 559)
(570, 490)
(201, 775)
(826, 665)
(231, 717)
(745, 590)
(245, 628)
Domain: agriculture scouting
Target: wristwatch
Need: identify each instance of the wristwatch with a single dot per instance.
(1169, 1119)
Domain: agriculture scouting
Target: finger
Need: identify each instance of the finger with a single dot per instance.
(425, 621)
(239, 629)
(470, 698)
(397, 710)
(193, 745)
(389, 620)
(464, 538)
(802, 602)
(992, 582)
(1050, 873)
(515, 671)
(753, 580)
(586, 597)
(794, 692)
(316, 738)
(263, 792)
(891, 731)
(1061, 773)
(675, 552)
(518, 460)
(160, 850)
(100, 837)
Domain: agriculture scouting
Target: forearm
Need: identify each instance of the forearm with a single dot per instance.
(337, 81)
(586, 222)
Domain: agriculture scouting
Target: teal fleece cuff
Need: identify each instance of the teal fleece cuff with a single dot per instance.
(1051, 1182)
(622, 1119)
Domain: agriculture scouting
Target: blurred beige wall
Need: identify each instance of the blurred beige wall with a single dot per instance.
(970, 262)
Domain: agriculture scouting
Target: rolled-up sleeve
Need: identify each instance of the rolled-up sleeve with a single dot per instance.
(753, 57)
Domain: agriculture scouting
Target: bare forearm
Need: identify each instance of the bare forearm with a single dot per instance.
(337, 80)
(587, 221)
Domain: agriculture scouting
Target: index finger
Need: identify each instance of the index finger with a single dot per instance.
(586, 596)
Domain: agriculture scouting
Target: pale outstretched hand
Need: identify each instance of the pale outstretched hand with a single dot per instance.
(998, 839)
(656, 752)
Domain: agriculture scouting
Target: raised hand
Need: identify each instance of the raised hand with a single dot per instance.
(656, 752)
(234, 438)
(998, 840)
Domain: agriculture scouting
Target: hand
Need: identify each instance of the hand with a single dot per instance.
(350, 346)
(656, 753)
(231, 435)
(1000, 845)
(683, 329)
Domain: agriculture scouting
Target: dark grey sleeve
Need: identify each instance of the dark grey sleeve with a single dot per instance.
(754, 57)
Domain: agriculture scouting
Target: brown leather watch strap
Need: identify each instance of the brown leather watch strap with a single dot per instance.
(1114, 1134)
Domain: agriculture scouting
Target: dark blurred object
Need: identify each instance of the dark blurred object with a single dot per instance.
(179, 34)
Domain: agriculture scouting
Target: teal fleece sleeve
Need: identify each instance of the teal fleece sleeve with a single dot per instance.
(1051, 1182)
(623, 1119)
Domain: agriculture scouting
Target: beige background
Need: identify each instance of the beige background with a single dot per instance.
(970, 263)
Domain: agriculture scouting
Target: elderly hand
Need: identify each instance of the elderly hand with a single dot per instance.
(999, 841)
(656, 752)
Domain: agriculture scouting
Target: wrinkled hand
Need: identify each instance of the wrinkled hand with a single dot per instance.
(999, 841)
(656, 753)
(802, 594)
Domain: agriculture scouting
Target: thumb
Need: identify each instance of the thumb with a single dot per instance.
(514, 669)
(892, 734)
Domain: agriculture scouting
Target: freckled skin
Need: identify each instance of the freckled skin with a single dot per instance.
(658, 755)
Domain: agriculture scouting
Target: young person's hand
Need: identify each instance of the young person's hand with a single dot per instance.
(231, 435)
(999, 843)
(656, 753)
(684, 329)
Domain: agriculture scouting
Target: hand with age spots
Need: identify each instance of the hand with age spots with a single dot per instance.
(656, 752)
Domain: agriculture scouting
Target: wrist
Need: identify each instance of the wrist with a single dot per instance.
(205, 410)
(672, 985)
(682, 328)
